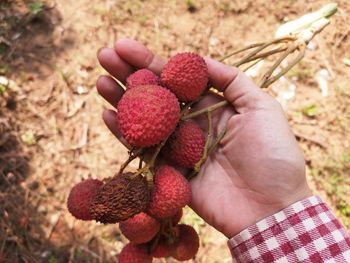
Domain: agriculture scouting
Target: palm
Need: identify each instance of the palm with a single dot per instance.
(244, 179)
(256, 170)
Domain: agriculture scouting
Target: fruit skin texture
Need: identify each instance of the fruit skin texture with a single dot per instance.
(186, 144)
(163, 249)
(80, 198)
(147, 115)
(188, 244)
(177, 217)
(120, 198)
(134, 254)
(140, 228)
(186, 74)
(142, 77)
(170, 193)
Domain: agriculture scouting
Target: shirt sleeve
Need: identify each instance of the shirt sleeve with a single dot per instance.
(306, 231)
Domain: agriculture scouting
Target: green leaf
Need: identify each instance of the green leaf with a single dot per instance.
(2, 89)
(310, 111)
(36, 7)
(4, 69)
(28, 138)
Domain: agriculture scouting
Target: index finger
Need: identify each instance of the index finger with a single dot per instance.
(138, 56)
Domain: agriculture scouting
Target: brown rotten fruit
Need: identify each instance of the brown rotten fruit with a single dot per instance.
(120, 198)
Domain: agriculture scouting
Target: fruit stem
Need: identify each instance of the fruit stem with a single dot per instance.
(217, 141)
(268, 81)
(157, 238)
(249, 57)
(205, 110)
(132, 156)
(205, 155)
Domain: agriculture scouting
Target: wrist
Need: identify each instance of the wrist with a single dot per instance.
(260, 210)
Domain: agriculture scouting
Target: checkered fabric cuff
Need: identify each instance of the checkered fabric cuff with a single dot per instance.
(306, 231)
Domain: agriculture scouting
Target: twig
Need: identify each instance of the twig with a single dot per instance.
(217, 141)
(268, 53)
(271, 80)
(205, 155)
(241, 50)
(132, 157)
(256, 51)
(252, 65)
(267, 75)
(205, 110)
(312, 140)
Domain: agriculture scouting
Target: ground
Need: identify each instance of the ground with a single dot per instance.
(52, 135)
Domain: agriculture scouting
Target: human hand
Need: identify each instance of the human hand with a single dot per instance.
(258, 167)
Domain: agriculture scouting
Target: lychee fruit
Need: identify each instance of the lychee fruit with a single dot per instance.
(140, 228)
(175, 219)
(147, 115)
(170, 193)
(80, 198)
(142, 77)
(120, 198)
(185, 74)
(134, 254)
(186, 145)
(163, 249)
(187, 245)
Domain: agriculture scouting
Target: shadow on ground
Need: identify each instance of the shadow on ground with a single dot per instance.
(31, 37)
(28, 233)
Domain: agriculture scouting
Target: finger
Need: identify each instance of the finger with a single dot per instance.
(238, 89)
(138, 55)
(110, 119)
(109, 89)
(110, 61)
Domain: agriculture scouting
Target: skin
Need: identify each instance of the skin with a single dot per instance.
(258, 168)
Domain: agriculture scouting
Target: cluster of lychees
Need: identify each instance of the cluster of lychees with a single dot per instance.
(148, 203)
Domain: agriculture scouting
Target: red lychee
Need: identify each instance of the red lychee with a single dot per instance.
(140, 228)
(186, 74)
(147, 115)
(163, 249)
(134, 254)
(170, 193)
(187, 245)
(142, 77)
(177, 217)
(80, 198)
(186, 144)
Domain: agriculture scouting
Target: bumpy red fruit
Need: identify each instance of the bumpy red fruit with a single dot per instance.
(186, 74)
(134, 254)
(140, 228)
(142, 77)
(147, 115)
(170, 193)
(186, 144)
(188, 244)
(163, 249)
(80, 198)
(177, 217)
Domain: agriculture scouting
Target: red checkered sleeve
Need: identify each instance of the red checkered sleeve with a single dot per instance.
(306, 231)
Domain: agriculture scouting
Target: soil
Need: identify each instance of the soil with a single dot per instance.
(52, 135)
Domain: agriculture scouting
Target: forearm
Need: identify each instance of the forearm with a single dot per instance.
(306, 231)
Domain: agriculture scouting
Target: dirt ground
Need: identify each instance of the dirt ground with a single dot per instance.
(52, 135)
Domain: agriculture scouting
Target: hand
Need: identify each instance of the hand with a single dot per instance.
(257, 169)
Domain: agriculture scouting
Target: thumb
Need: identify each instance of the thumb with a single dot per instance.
(238, 88)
